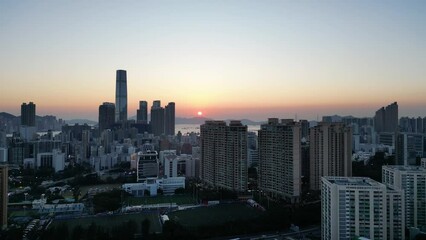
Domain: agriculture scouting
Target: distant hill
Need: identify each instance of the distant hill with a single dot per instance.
(7, 115)
(249, 122)
(201, 120)
(81, 122)
(193, 120)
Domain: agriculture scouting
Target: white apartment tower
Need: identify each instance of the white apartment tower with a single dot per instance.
(330, 152)
(280, 159)
(411, 180)
(224, 155)
(360, 207)
(147, 163)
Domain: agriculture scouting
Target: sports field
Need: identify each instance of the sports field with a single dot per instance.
(214, 215)
(178, 199)
(111, 221)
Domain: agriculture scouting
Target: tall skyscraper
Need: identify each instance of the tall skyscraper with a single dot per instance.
(106, 116)
(157, 118)
(391, 117)
(408, 147)
(386, 119)
(142, 112)
(360, 207)
(224, 155)
(330, 152)
(379, 120)
(121, 96)
(169, 119)
(3, 195)
(28, 113)
(107, 139)
(280, 159)
(411, 180)
(85, 145)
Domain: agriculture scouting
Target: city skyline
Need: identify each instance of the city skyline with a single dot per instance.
(242, 59)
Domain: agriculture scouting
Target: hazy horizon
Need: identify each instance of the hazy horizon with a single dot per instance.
(228, 59)
(236, 117)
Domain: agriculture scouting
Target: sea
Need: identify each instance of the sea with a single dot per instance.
(188, 128)
(183, 128)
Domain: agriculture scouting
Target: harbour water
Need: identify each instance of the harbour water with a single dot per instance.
(183, 128)
(188, 128)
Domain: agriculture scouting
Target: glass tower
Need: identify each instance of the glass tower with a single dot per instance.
(121, 96)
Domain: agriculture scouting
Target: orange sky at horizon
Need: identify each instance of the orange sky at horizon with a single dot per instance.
(229, 59)
(89, 110)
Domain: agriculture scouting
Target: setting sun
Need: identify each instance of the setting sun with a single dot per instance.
(199, 113)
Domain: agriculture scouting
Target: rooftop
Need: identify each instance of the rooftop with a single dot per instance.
(405, 168)
(352, 181)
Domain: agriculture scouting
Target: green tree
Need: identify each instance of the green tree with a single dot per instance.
(76, 193)
(101, 233)
(180, 191)
(91, 231)
(145, 227)
(77, 233)
(147, 193)
(109, 201)
(160, 191)
(61, 231)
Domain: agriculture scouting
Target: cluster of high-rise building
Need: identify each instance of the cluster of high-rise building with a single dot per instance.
(361, 207)
(281, 153)
(116, 140)
(286, 153)
(83, 142)
(386, 118)
(115, 115)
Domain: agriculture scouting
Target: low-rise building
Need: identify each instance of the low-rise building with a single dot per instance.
(168, 185)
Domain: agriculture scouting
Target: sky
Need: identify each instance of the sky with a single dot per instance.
(228, 59)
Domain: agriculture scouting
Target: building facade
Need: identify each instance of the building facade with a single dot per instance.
(360, 207)
(147, 165)
(280, 159)
(106, 116)
(28, 114)
(409, 147)
(157, 118)
(330, 152)
(411, 180)
(3, 195)
(386, 118)
(169, 119)
(142, 112)
(224, 155)
(121, 96)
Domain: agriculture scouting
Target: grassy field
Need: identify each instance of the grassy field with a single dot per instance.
(115, 220)
(178, 199)
(214, 215)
